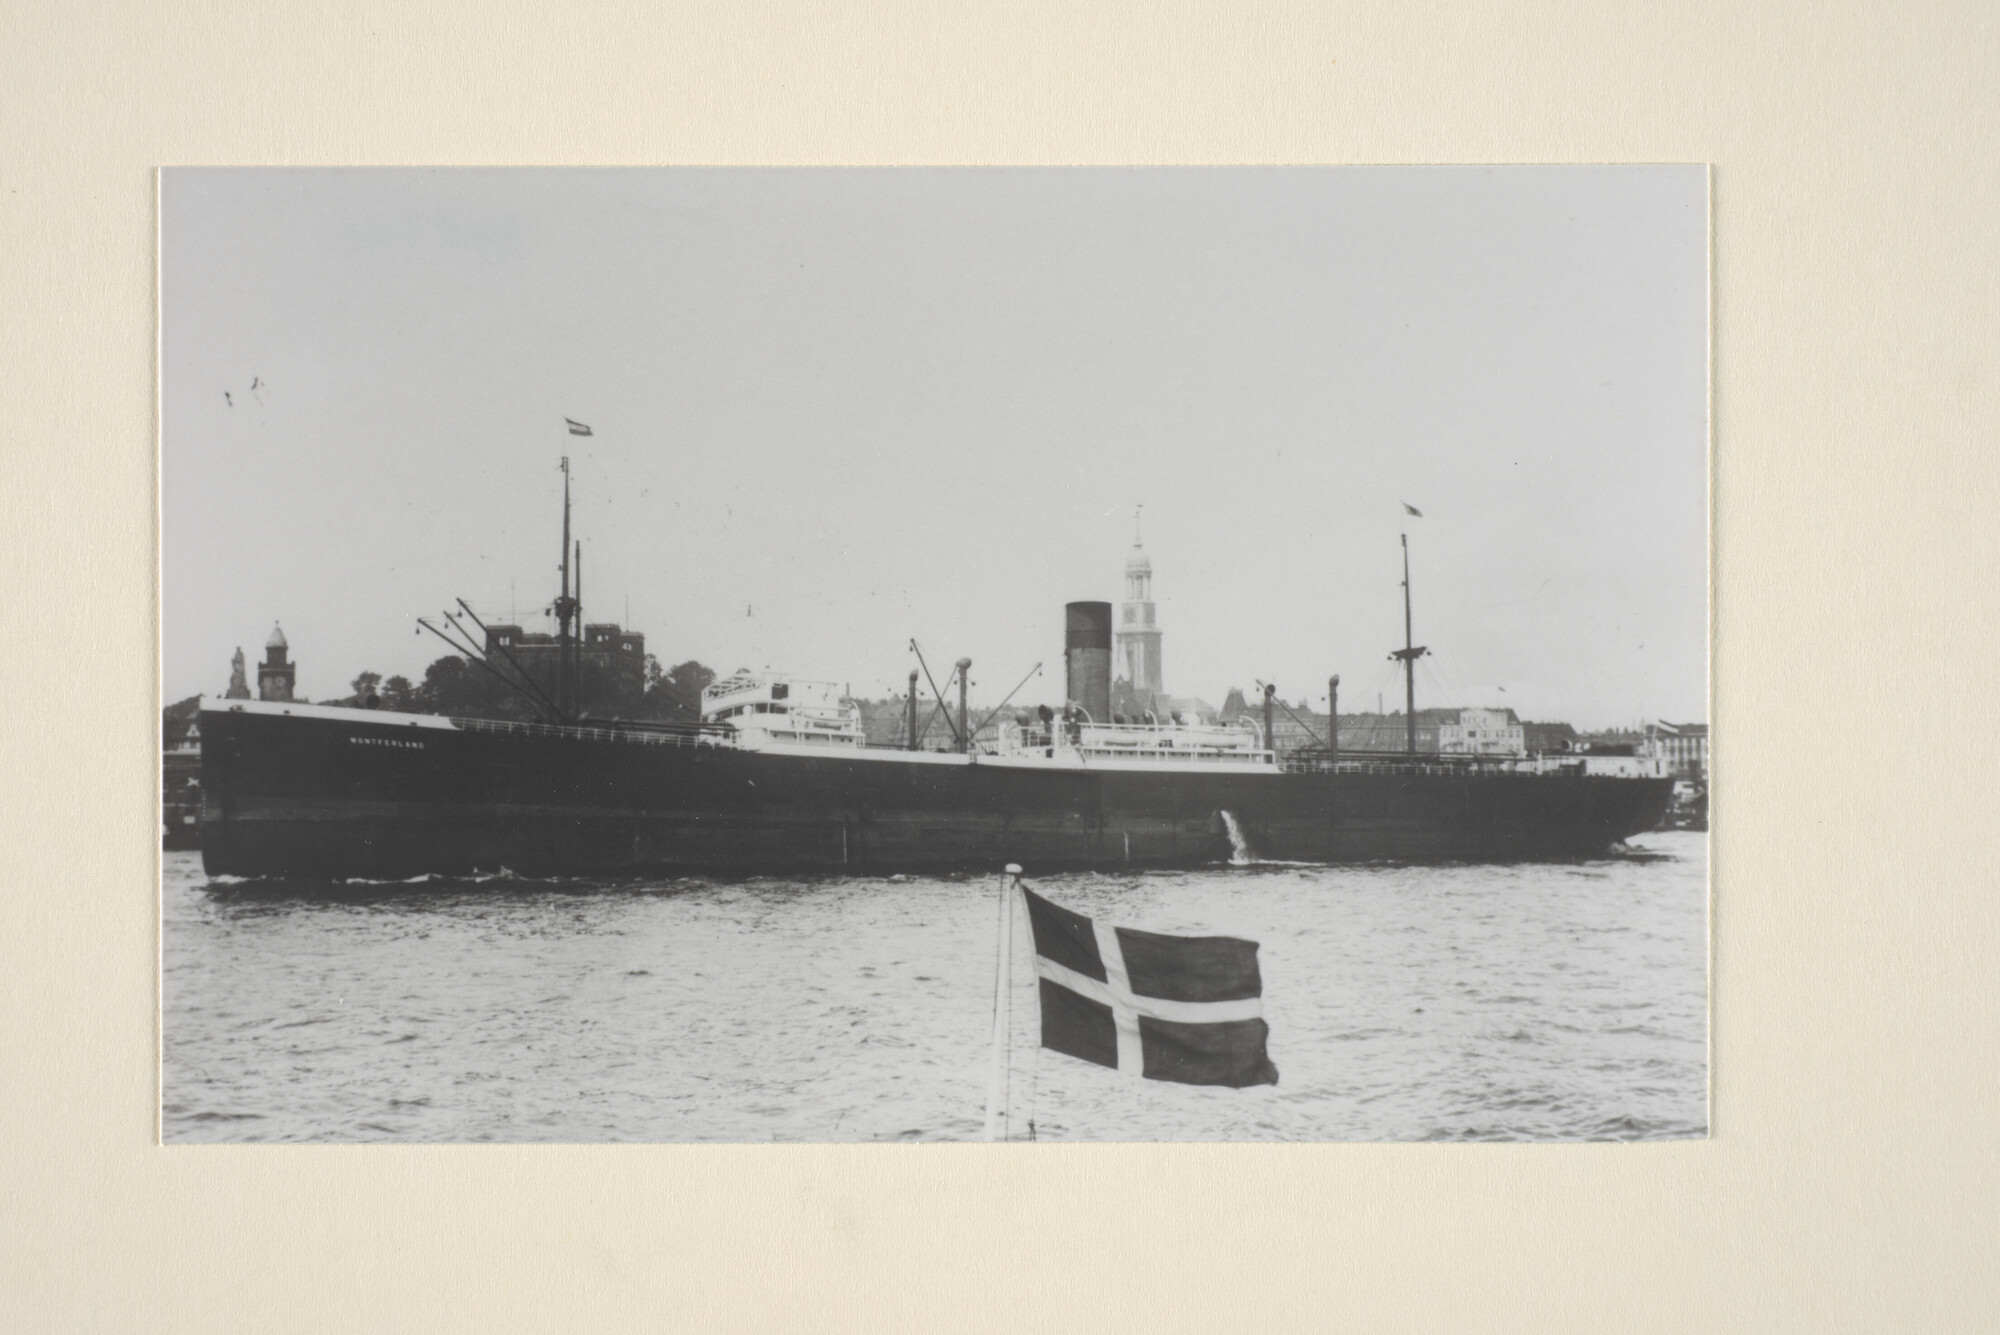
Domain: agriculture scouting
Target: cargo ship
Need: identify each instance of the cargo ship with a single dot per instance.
(318, 791)
(779, 778)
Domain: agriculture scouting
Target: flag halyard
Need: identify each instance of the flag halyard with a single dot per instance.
(1184, 1009)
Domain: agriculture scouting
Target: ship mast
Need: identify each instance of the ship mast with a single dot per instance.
(565, 613)
(1409, 653)
(582, 633)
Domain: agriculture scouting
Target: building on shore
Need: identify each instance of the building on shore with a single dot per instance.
(1296, 727)
(1684, 746)
(277, 674)
(1547, 739)
(607, 654)
(1617, 742)
(1453, 732)
(887, 723)
(1481, 732)
(180, 771)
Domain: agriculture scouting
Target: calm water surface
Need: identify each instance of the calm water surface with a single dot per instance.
(1559, 1002)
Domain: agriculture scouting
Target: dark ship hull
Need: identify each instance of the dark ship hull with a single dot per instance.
(326, 793)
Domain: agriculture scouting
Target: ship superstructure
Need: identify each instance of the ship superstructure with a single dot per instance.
(767, 709)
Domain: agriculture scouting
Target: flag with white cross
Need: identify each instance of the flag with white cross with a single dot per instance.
(1182, 1008)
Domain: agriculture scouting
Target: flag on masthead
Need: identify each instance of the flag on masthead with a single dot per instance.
(577, 428)
(1182, 1008)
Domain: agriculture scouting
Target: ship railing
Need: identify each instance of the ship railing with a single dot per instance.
(1179, 755)
(1166, 741)
(1477, 766)
(1242, 736)
(651, 735)
(1166, 745)
(848, 738)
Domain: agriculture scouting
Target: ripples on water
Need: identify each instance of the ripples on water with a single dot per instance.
(1561, 1002)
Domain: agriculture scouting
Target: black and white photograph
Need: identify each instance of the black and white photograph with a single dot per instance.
(934, 654)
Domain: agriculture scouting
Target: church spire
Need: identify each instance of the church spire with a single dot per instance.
(1138, 636)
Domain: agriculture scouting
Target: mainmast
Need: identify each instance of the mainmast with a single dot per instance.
(582, 633)
(565, 613)
(1409, 653)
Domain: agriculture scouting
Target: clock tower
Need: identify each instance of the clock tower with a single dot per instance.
(1138, 635)
(277, 673)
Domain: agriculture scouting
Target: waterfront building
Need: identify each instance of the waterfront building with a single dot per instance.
(180, 772)
(1481, 732)
(277, 674)
(1544, 739)
(607, 652)
(1684, 746)
(1470, 731)
(1618, 742)
(887, 723)
(1388, 732)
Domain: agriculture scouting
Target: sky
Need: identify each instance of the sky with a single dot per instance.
(835, 410)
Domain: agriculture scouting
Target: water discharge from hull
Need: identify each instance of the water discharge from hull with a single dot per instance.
(1239, 847)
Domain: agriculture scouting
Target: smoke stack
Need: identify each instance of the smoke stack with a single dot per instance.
(1087, 658)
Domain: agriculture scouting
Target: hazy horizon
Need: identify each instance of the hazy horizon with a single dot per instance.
(836, 409)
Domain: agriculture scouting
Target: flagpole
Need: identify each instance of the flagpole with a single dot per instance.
(997, 1127)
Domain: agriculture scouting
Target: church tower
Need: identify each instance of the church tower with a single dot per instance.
(1138, 638)
(276, 673)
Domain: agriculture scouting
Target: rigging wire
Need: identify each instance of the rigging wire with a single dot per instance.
(1010, 695)
(1376, 687)
(1453, 684)
(1279, 702)
(936, 692)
